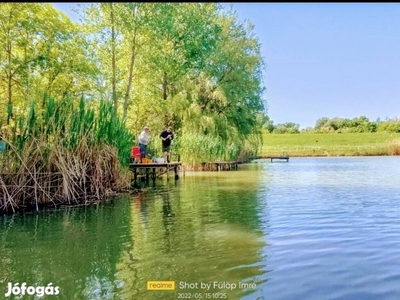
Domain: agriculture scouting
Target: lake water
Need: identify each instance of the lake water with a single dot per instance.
(312, 228)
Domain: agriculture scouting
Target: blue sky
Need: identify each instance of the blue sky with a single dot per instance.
(325, 59)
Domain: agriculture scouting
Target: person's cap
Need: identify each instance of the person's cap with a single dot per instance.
(170, 128)
(145, 127)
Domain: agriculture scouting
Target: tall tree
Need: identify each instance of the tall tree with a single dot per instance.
(184, 37)
(41, 53)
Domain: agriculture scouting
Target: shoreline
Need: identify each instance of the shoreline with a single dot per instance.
(330, 144)
(54, 206)
(327, 155)
(60, 204)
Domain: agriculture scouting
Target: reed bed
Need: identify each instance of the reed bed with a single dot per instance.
(63, 156)
(394, 147)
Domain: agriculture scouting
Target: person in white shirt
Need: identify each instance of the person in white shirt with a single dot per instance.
(143, 142)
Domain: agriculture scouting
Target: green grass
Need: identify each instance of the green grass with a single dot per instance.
(330, 144)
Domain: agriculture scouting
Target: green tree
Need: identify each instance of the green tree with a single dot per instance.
(42, 55)
(228, 94)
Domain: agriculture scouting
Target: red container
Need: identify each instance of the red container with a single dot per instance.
(135, 154)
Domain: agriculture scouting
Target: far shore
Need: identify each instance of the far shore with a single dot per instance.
(331, 144)
(320, 155)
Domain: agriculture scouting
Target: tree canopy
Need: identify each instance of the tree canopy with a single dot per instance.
(192, 66)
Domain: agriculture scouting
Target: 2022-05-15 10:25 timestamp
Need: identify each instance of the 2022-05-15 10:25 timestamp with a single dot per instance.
(197, 295)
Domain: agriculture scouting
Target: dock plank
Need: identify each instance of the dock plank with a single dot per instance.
(278, 158)
(151, 170)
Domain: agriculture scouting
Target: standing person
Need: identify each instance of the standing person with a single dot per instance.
(166, 136)
(143, 142)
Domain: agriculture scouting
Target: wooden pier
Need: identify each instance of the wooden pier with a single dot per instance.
(150, 171)
(283, 156)
(220, 165)
(279, 158)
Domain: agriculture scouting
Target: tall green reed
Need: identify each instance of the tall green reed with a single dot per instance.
(67, 122)
(65, 152)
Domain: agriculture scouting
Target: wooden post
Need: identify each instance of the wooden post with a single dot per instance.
(153, 175)
(176, 173)
(135, 178)
(167, 172)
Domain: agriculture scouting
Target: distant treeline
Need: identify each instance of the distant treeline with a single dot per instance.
(337, 125)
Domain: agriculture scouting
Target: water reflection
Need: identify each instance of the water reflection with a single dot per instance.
(199, 229)
(76, 249)
(198, 232)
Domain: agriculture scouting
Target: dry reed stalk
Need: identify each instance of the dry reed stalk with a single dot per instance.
(394, 147)
(44, 176)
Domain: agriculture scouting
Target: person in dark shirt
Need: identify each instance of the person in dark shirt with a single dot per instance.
(166, 136)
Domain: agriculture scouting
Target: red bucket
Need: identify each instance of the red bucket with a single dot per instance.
(135, 153)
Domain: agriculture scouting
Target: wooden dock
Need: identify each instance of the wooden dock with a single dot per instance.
(220, 165)
(284, 156)
(149, 171)
(278, 158)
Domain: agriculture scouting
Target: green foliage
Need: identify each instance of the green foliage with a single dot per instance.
(186, 65)
(288, 127)
(390, 125)
(42, 54)
(336, 125)
(66, 124)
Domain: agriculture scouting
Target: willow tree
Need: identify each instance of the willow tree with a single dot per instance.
(239, 76)
(181, 64)
(183, 37)
(158, 45)
(203, 75)
(221, 121)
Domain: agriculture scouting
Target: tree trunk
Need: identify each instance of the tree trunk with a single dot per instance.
(9, 83)
(113, 63)
(131, 66)
(165, 95)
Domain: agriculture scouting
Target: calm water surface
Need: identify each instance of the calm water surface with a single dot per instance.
(313, 228)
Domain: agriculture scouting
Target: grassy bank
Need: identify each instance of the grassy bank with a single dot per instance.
(331, 144)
